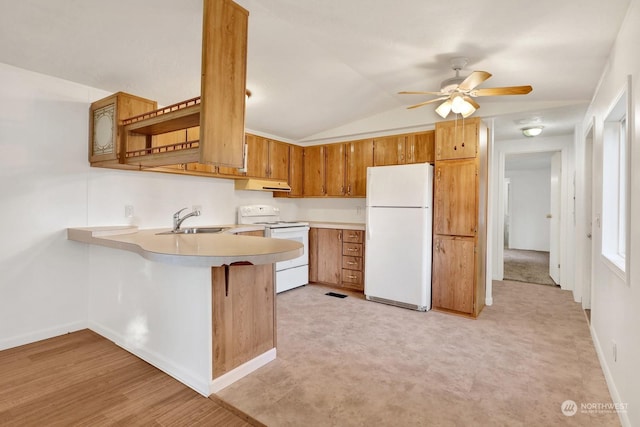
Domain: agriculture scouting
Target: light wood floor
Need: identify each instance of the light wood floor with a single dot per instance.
(83, 379)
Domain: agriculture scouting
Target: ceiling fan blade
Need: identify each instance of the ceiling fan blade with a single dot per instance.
(473, 80)
(472, 102)
(420, 93)
(495, 91)
(427, 102)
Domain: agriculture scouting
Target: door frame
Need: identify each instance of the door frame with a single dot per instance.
(584, 218)
(564, 144)
(555, 218)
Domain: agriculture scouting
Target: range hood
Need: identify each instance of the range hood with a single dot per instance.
(261, 185)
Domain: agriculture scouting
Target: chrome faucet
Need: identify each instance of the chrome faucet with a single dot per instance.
(177, 221)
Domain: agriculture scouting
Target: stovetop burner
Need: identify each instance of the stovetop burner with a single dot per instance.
(269, 216)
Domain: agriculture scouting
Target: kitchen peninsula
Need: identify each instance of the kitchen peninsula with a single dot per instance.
(200, 307)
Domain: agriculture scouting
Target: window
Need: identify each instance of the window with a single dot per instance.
(615, 150)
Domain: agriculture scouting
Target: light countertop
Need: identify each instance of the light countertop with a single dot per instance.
(198, 250)
(341, 225)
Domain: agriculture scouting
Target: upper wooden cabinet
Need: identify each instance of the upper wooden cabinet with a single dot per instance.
(388, 150)
(457, 139)
(267, 158)
(105, 142)
(420, 147)
(279, 157)
(296, 161)
(334, 170)
(223, 85)
(359, 158)
(404, 149)
(337, 170)
(314, 171)
(455, 198)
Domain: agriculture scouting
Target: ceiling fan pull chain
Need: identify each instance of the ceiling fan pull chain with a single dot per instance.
(455, 133)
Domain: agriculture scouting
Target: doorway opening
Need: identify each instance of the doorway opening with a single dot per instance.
(531, 217)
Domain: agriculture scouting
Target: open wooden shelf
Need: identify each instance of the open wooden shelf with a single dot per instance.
(142, 135)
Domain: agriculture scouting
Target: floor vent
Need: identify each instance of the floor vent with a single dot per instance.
(333, 294)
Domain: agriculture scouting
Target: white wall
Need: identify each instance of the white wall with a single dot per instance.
(330, 209)
(615, 305)
(529, 195)
(46, 185)
(43, 188)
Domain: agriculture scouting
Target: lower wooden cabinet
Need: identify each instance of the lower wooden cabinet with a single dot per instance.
(453, 281)
(329, 255)
(243, 305)
(336, 257)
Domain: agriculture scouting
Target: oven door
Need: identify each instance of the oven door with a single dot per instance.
(299, 234)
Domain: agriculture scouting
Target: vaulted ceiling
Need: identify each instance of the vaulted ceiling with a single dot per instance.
(327, 69)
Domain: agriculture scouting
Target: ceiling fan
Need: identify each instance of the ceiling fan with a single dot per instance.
(458, 92)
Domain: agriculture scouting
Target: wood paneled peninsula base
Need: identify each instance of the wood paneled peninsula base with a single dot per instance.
(200, 307)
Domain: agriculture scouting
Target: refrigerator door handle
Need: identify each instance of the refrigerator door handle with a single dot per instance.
(368, 223)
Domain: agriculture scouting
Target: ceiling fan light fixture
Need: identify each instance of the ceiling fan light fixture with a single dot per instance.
(460, 106)
(532, 131)
(467, 110)
(444, 109)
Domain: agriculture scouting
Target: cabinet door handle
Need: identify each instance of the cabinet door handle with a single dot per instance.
(340, 236)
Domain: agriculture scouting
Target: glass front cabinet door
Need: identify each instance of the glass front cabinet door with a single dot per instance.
(105, 116)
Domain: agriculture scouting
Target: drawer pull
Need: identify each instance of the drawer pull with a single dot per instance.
(352, 277)
(352, 263)
(352, 249)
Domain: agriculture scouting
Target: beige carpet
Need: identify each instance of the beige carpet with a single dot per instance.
(527, 266)
(351, 362)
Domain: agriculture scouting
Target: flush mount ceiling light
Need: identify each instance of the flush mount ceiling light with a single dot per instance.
(532, 131)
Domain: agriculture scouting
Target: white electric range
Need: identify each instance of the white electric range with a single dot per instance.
(291, 273)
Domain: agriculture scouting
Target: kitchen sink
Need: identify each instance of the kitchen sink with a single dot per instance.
(196, 230)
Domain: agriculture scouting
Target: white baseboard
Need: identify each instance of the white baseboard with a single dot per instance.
(613, 390)
(42, 334)
(242, 371)
(201, 385)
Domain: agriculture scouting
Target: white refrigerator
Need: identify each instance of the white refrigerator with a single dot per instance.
(398, 235)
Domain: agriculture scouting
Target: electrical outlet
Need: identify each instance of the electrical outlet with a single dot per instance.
(614, 349)
(128, 211)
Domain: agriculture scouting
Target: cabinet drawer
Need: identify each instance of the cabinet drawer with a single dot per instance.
(351, 276)
(352, 263)
(352, 249)
(352, 236)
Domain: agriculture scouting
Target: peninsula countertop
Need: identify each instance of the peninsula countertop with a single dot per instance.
(196, 250)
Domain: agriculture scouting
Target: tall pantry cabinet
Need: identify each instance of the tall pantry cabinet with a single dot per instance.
(459, 221)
